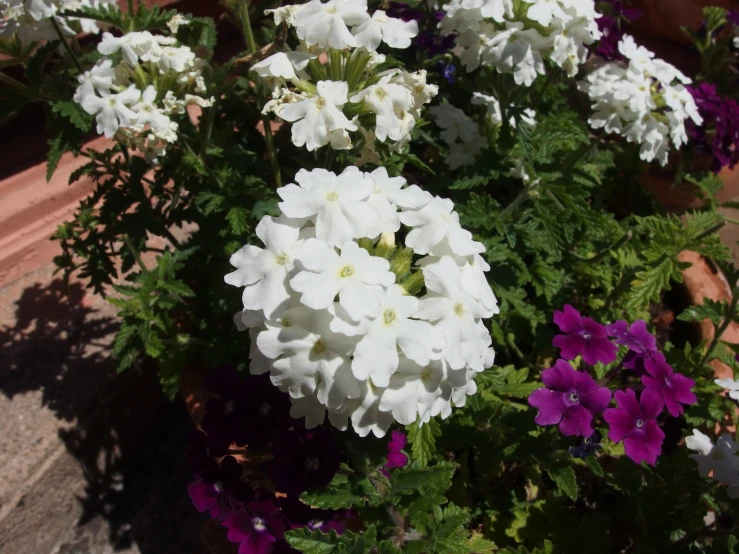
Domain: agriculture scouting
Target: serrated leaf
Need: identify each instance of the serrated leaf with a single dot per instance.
(434, 479)
(566, 481)
(74, 113)
(422, 440)
(516, 390)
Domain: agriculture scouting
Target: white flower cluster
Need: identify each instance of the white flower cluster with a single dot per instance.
(644, 100)
(332, 308)
(720, 459)
(516, 36)
(143, 80)
(336, 89)
(461, 132)
(29, 20)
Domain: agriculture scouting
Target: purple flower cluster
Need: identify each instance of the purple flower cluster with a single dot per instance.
(615, 14)
(250, 411)
(396, 458)
(428, 38)
(571, 398)
(719, 134)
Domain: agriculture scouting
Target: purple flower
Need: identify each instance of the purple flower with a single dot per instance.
(719, 134)
(395, 456)
(447, 71)
(582, 336)
(673, 388)
(213, 490)
(570, 399)
(635, 423)
(640, 342)
(433, 43)
(587, 447)
(610, 25)
(401, 10)
(733, 17)
(256, 527)
(304, 459)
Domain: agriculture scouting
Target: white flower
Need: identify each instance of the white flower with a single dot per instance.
(436, 222)
(265, 272)
(177, 21)
(99, 78)
(422, 91)
(310, 408)
(517, 49)
(720, 459)
(492, 106)
(284, 14)
(543, 11)
(309, 357)
(133, 46)
(387, 195)
(461, 154)
(283, 65)
(456, 124)
(113, 110)
(455, 313)
(365, 412)
(147, 112)
(337, 205)
(326, 24)
(176, 58)
(376, 355)
(386, 99)
(396, 33)
(413, 390)
(354, 275)
(730, 384)
(41, 9)
(314, 118)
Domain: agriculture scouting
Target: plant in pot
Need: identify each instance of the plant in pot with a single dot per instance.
(443, 266)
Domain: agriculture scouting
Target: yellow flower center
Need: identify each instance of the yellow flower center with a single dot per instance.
(389, 316)
(459, 309)
(319, 347)
(332, 196)
(346, 271)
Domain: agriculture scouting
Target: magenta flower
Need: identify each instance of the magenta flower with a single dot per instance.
(640, 342)
(673, 388)
(582, 336)
(395, 456)
(570, 399)
(256, 527)
(635, 423)
(213, 490)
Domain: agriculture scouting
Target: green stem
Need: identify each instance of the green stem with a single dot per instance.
(523, 195)
(135, 254)
(611, 375)
(130, 7)
(581, 154)
(8, 80)
(618, 244)
(251, 44)
(66, 45)
(720, 330)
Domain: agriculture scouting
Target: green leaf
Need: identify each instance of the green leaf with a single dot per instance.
(57, 147)
(478, 544)
(712, 310)
(73, 112)
(516, 390)
(238, 218)
(316, 542)
(565, 480)
(422, 439)
(424, 480)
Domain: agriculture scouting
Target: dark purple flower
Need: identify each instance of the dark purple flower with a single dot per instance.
(615, 14)
(401, 10)
(447, 71)
(582, 336)
(587, 447)
(433, 43)
(733, 17)
(718, 136)
(635, 423)
(222, 421)
(396, 459)
(214, 490)
(570, 399)
(299, 514)
(640, 342)
(673, 388)
(256, 527)
(304, 459)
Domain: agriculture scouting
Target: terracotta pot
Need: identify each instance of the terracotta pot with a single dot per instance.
(702, 281)
(678, 197)
(663, 19)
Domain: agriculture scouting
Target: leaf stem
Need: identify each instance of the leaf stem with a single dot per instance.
(523, 195)
(252, 47)
(66, 45)
(135, 254)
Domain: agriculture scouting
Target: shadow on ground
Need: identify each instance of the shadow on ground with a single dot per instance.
(128, 439)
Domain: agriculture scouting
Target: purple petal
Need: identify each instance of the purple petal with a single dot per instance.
(654, 437)
(626, 400)
(398, 441)
(597, 401)
(569, 320)
(562, 377)
(576, 421)
(593, 328)
(651, 404)
(396, 460)
(599, 350)
(620, 421)
(681, 386)
(635, 447)
(551, 406)
(640, 333)
(618, 329)
(202, 494)
(571, 345)
(674, 408)
(258, 543)
(239, 525)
